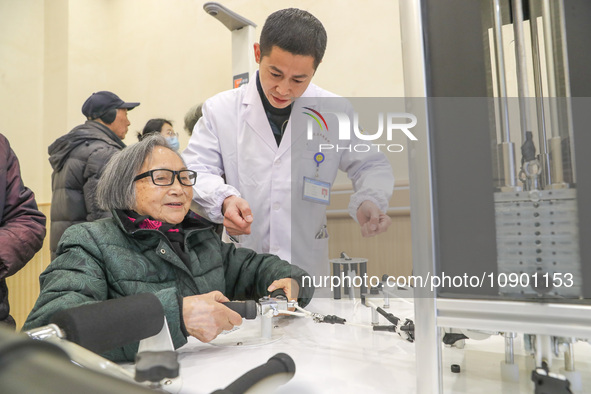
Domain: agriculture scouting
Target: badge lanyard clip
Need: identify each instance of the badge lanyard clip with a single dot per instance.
(318, 158)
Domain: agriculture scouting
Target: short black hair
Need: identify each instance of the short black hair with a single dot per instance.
(153, 126)
(295, 31)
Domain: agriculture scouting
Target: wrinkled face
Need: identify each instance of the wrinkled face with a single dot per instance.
(168, 204)
(284, 76)
(121, 124)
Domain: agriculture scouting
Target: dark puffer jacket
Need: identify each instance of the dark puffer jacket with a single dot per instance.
(78, 159)
(107, 259)
(22, 226)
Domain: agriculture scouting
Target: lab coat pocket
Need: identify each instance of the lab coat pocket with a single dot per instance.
(320, 244)
(320, 241)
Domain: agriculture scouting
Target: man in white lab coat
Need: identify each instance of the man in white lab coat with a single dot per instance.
(274, 196)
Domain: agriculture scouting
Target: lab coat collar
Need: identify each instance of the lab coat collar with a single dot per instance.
(255, 117)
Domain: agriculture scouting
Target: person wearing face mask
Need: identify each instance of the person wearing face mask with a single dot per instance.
(164, 127)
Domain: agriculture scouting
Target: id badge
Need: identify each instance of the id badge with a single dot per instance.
(316, 191)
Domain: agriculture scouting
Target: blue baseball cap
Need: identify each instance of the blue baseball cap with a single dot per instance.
(100, 102)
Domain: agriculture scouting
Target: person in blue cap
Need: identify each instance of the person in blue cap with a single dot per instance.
(78, 159)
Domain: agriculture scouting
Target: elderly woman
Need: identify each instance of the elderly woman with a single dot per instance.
(153, 243)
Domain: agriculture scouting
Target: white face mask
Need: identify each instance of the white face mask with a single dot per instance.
(173, 142)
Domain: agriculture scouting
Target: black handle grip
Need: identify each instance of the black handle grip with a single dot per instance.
(246, 309)
(333, 319)
(107, 325)
(390, 317)
(280, 365)
(385, 328)
(278, 293)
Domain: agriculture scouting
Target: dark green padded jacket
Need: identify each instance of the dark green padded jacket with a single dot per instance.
(102, 260)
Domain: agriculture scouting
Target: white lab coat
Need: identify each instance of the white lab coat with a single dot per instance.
(234, 138)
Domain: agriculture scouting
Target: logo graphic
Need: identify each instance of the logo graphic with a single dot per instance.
(315, 118)
(240, 79)
(391, 120)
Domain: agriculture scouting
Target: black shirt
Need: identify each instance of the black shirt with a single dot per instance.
(278, 117)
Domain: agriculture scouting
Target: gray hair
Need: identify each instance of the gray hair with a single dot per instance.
(115, 188)
(192, 116)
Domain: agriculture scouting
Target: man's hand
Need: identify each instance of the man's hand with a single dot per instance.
(289, 286)
(371, 219)
(237, 215)
(205, 316)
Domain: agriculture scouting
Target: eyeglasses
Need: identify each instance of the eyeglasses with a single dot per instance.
(164, 177)
(171, 134)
